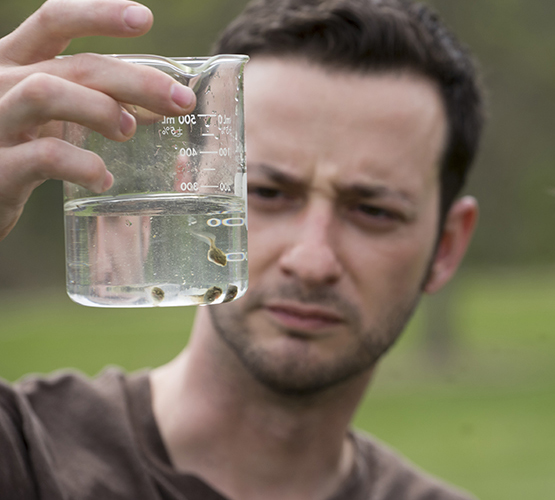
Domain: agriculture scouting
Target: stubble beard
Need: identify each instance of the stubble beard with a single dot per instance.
(297, 374)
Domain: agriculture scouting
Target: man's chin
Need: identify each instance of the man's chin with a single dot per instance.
(297, 347)
(290, 362)
(293, 372)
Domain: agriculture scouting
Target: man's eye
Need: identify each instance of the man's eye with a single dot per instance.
(269, 199)
(375, 217)
(377, 212)
(265, 192)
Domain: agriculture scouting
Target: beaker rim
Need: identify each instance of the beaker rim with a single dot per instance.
(191, 65)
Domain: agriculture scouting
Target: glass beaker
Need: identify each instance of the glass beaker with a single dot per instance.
(172, 230)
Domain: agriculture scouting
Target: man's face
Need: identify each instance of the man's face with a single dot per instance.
(343, 214)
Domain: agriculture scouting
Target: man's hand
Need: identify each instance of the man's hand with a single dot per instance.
(37, 91)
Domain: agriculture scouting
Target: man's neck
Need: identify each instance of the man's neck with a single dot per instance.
(245, 440)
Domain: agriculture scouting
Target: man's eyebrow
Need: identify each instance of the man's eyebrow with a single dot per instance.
(358, 190)
(279, 176)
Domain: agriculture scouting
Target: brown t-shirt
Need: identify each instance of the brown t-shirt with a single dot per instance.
(67, 437)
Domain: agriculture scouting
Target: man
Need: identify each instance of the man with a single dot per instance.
(363, 117)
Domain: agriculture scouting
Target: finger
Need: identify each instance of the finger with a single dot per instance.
(26, 166)
(126, 82)
(41, 98)
(49, 30)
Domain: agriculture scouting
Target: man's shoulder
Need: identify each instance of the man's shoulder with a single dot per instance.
(66, 434)
(68, 398)
(69, 390)
(395, 478)
(15, 478)
(65, 381)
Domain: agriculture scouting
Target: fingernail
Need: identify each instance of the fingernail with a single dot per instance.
(183, 96)
(102, 185)
(126, 123)
(108, 181)
(136, 16)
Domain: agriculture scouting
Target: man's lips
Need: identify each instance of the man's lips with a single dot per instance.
(303, 316)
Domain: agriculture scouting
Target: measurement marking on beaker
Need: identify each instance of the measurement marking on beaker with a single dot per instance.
(207, 135)
(207, 169)
(234, 221)
(209, 186)
(209, 152)
(236, 257)
(206, 115)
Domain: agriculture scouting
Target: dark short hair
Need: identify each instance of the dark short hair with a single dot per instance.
(372, 36)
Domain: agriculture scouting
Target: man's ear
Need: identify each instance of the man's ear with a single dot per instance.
(457, 233)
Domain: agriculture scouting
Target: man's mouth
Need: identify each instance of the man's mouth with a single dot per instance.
(303, 317)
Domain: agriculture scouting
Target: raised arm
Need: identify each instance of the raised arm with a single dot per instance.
(37, 91)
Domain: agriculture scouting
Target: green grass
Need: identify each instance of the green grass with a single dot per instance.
(481, 418)
(45, 332)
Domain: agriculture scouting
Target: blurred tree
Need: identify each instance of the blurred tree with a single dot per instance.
(515, 43)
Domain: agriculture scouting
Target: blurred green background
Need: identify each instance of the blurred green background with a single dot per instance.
(469, 391)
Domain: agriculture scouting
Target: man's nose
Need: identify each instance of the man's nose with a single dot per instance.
(311, 254)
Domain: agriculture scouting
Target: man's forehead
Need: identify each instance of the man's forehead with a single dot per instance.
(368, 130)
(292, 68)
(303, 90)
